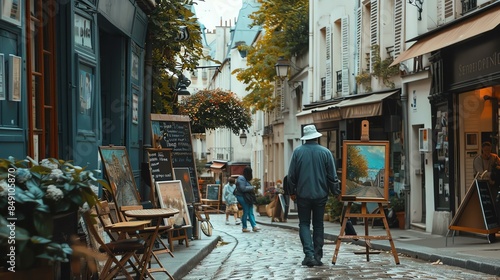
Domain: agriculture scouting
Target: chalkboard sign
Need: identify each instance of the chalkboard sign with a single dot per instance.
(213, 191)
(174, 132)
(476, 213)
(182, 174)
(160, 167)
(487, 206)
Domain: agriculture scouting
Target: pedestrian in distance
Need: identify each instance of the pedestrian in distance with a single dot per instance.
(311, 177)
(246, 197)
(230, 200)
(486, 165)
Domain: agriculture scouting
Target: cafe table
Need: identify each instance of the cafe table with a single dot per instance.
(150, 236)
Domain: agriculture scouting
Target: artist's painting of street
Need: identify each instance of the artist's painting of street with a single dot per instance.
(365, 176)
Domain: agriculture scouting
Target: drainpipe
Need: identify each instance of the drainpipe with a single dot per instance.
(406, 147)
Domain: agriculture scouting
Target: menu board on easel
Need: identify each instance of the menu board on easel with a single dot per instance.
(477, 212)
(160, 167)
(174, 132)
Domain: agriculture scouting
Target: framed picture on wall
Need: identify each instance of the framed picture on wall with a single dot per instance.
(11, 11)
(14, 77)
(2, 77)
(365, 170)
(471, 140)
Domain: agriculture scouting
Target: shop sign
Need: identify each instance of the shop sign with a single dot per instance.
(83, 31)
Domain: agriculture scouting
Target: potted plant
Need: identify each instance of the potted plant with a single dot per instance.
(333, 208)
(261, 202)
(397, 203)
(40, 196)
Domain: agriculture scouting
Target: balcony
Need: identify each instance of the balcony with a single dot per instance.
(268, 130)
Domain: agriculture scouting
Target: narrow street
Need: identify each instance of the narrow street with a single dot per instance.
(276, 253)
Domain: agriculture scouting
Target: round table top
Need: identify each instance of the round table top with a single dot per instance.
(152, 213)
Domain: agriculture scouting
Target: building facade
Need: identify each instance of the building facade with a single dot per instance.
(75, 79)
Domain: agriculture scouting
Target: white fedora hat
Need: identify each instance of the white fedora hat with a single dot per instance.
(310, 132)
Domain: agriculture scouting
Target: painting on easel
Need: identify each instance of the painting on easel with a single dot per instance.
(365, 166)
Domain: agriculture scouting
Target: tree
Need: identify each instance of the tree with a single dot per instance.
(286, 31)
(356, 164)
(211, 109)
(171, 54)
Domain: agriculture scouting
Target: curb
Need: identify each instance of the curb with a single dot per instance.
(190, 264)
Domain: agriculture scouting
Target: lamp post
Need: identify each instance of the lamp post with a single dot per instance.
(282, 66)
(243, 139)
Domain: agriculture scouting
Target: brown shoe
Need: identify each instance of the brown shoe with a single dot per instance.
(256, 229)
(245, 230)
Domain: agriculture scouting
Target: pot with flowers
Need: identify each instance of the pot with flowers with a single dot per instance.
(33, 198)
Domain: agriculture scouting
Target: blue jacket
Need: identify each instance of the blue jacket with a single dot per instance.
(312, 171)
(242, 185)
(227, 194)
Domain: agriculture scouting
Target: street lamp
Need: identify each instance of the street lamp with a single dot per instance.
(282, 66)
(243, 139)
(419, 4)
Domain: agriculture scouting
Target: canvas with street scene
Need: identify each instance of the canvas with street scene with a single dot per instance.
(365, 170)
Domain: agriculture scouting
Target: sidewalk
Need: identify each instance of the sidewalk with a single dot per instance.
(469, 252)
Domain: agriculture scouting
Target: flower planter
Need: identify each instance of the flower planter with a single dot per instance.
(401, 219)
(261, 209)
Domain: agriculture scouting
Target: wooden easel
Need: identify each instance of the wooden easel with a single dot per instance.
(364, 212)
(365, 215)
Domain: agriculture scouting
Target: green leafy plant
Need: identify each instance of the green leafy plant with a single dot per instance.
(211, 109)
(380, 68)
(262, 199)
(334, 208)
(34, 194)
(397, 203)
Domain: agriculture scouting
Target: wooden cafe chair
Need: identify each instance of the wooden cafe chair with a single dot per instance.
(124, 246)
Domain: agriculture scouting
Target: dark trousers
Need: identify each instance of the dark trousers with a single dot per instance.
(312, 244)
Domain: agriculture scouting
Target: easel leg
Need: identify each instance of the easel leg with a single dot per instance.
(386, 225)
(342, 232)
(367, 241)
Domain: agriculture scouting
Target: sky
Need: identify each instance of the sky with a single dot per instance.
(209, 12)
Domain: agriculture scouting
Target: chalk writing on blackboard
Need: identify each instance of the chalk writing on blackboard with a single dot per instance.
(174, 132)
(213, 191)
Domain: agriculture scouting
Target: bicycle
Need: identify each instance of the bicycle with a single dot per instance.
(205, 224)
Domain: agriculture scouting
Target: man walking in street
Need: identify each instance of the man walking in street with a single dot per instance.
(311, 177)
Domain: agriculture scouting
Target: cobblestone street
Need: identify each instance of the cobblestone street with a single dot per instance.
(276, 253)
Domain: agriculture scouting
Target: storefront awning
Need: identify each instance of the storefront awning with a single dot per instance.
(458, 32)
(218, 165)
(362, 107)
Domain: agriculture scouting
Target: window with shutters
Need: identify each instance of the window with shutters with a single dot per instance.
(468, 5)
(445, 11)
(41, 73)
(323, 88)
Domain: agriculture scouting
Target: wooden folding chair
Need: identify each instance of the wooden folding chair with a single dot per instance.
(123, 246)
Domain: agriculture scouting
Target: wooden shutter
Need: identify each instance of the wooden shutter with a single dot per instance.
(373, 27)
(328, 63)
(398, 27)
(345, 55)
(358, 39)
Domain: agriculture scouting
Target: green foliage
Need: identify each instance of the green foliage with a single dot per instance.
(397, 203)
(168, 53)
(334, 207)
(42, 191)
(211, 109)
(286, 31)
(380, 69)
(262, 199)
